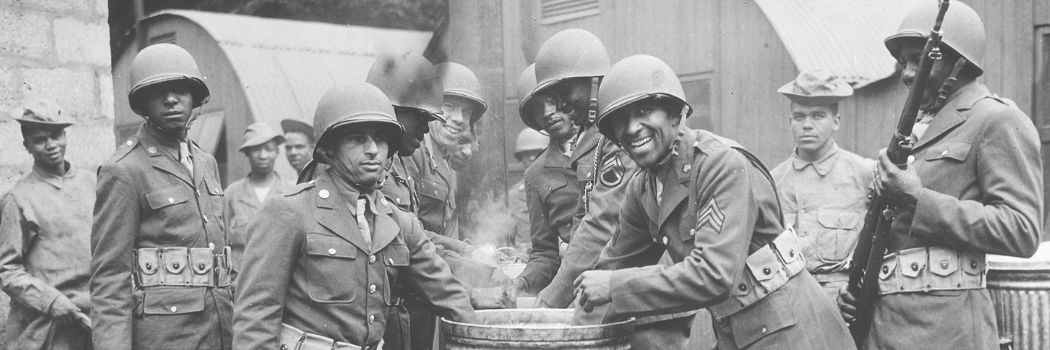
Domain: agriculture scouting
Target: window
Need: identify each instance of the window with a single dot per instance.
(554, 11)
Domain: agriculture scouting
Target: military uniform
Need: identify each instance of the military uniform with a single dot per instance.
(981, 171)
(603, 186)
(552, 191)
(825, 201)
(159, 277)
(241, 204)
(716, 217)
(435, 189)
(44, 256)
(310, 235)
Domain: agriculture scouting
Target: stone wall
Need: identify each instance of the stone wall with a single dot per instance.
(55, 49)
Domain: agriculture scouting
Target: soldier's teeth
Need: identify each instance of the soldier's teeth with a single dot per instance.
(641, 142)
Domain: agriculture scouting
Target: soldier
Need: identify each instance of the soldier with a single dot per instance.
(711, 206)
(299, 142)
(551, 189)
(435, 179)
(823, 188)
(527, 147)
(974, 188)
(569, 67)
(340, 224)
(245, 197)
(160, 272)
(44, 254)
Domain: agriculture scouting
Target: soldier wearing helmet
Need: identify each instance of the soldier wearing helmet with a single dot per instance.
(339, 224)
(299, 142)
(712, 208)
(823, 188)
(45, 222)
(527, 148)
(551, 189)
(974, 188)
(160, 267)
(569, 67)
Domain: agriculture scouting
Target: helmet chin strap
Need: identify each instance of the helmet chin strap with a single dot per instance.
(592, 109)
(948, 86)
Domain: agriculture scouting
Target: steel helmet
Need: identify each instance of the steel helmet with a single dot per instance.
(410, 81)
(354, 103)
(526, 82)
(459, 80)
(631, 80)
(530, 140)
(571, 53)
(963, 30)
(161, 63)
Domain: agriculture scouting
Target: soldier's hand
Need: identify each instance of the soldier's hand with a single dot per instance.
(847, 304)
(593, 288)
(513, 287)
(900, 187)
(63, 311)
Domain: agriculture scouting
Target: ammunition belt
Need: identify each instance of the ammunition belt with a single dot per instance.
(927, 269)
(768, 269)
(295, 339)
(182, 267)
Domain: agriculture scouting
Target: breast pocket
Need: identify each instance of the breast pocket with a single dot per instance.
(840, 229)
(330, 269)
(950, 152)
(395, 258)
(167, 197)
(433, 190)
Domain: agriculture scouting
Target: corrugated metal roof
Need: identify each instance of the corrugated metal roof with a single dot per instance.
(842, 36)
(285, 66)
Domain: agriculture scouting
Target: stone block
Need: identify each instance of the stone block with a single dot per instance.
(74, 90)
(102, 8)
(25, 33)
(10, 92)
(65, 6)
(105, 95)
(77, 41)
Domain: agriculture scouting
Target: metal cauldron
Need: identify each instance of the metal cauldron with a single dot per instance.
(533, 329)
(1020, 289)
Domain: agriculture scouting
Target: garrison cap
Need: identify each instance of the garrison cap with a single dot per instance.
(816, 88)
(41, 113)
(259, 133)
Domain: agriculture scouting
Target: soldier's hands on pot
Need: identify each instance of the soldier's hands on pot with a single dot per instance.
(847, 304)
(593, 288)
(63, 311)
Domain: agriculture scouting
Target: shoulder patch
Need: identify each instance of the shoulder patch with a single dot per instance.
(710, 214)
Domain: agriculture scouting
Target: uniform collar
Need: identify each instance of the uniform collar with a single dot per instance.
(51, 178)
(349, 194)
(822, 165)
(154, 137)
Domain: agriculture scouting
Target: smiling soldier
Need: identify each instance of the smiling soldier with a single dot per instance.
(823, 188)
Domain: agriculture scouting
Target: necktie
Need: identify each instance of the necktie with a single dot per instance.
(184, 156)
(362, 220)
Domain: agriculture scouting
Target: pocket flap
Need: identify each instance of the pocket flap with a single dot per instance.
(953, 150)
(396, 254)
(329, 246)
(202, 259)
(912, 264)
(213, 188)
(888, 267)
(585, 168)
(844, 220)
(763, 264)
(149, 261)
(771, 314)
(943, 262)
(175, 259)
(549, 187)
(973, 265)
(789, 246)
(173, 300)
(433, 187)
(166, 197)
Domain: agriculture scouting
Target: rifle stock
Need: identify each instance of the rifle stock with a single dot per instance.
(873, 241)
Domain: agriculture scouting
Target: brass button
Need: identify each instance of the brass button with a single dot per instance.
(371, 318)
(743, 287)
(973, 264)
(323, 194)
(764, 330)
(371, 289)
(398, 200)
(371, 259)
(944, 153)
(149, 266)
(128, 143)
(175, 266)
(171, 200)
(151, 149)
(200, 267)
(686, 168)
(944, 264)
(791, 253)
(389, 261)
(198, 192)
(665, 240)
(174, 308)
(331, 251)
(915, 266)
(211, 245)
(885, 269)
(767, 270)
(205, 218)
(284, 347)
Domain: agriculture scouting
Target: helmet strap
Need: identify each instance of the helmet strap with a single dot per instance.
(592, 110)
(948, 86)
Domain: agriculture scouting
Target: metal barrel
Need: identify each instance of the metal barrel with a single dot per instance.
(1020, 290)
(533, 329)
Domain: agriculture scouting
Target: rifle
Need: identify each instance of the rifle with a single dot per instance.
(873, 240)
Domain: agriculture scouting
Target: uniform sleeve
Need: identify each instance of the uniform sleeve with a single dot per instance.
(703, 278)
(594, 231)
(788, 200)
(116, 222)
(15, 231)
(449, 243)
(270, 255)
(543, 256)
(1009, 218)
(433, 278)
